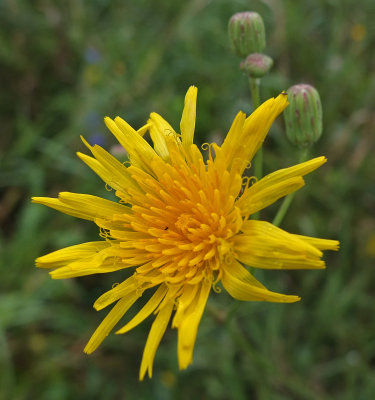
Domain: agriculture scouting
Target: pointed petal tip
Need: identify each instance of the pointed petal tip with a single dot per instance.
(85, 142)
(284, 94)
(98, 306)
(184, 363)
(55, 275)
(293, 299)
(109, 123)
(191, 93)
(193, 88)
(142, 372)
(320, 159)
(38, 200)
(108, 120)
(282, 99)
(87, 350)
(39, 262)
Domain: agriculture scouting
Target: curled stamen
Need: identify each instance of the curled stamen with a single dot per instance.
(245, 182)
(207, 276)
(170, 132)
(248, 165)
(104, 233)
(215, 288)
(228, 258)
(108, 188)
(210, 148)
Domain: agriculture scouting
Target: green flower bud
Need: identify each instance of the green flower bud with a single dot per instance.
(303, 117)
(247, 33)
(256, 65)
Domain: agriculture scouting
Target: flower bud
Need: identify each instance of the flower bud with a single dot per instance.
(256, 65)
(247, 33)
(303, 117)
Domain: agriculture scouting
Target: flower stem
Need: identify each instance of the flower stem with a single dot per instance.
(254, 84)
(288, 199)
(255, 95)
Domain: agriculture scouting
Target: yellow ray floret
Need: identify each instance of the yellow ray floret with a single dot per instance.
(181, 224)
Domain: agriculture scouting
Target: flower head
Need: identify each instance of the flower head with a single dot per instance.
(304, 117)
(182, 224)
(247, 33)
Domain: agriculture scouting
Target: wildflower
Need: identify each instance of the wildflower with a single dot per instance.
(183, 225)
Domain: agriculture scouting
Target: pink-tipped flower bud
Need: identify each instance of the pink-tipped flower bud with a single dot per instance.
(256, 65)
(303, 117)
(247, 33)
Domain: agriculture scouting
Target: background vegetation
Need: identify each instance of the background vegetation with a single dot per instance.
(63, 67)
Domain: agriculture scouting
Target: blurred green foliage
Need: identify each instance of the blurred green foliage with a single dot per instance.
(63, 67)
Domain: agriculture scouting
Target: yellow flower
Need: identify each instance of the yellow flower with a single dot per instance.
(183, 224)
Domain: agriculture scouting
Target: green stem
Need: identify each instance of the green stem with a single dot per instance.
(288, 199)
(254, 84)
(254, 90)
(283, 209)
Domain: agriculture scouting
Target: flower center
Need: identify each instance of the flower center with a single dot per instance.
(185, 223)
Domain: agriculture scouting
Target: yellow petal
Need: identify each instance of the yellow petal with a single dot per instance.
(259, 122)
(159, 129)
(245, 291)
(140, 152)
(189, 293)
(242, 144)
(114, 173)
(230, 144)
(84, 269)
(104, 261)
(240, 272)
(188, 328)
(64, 256)
(276, 185)
(153, 340)
(291, 172)
(143, 129)
(321, 244)
(187, 124)
(256, 198)
(263, 245)
(146, 310)
(83, 206)
(110, 321)
(123, 289)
